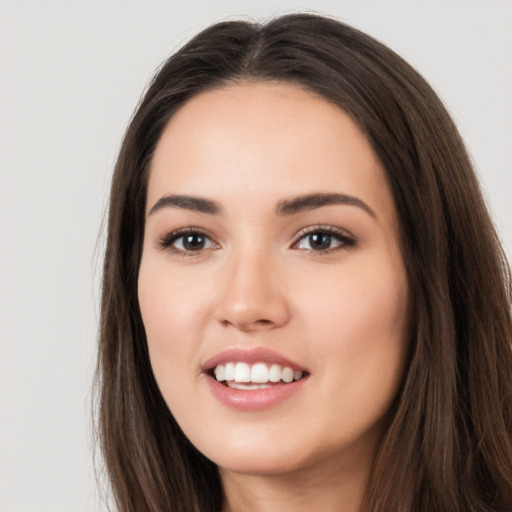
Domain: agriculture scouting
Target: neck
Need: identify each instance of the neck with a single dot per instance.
(329, 488)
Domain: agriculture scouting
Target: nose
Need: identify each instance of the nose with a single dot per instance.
(252, 295)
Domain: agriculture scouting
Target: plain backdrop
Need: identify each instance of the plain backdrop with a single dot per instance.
(71, 74)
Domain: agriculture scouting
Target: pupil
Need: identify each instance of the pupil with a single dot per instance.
(193, 242)
(320, 241)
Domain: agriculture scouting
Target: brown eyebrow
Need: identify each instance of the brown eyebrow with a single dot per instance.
(196, 204)
(312, 201)
(285, 207)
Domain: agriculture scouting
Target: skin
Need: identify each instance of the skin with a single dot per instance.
(341, 313)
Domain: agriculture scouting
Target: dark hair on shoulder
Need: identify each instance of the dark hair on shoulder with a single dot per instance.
(449, 444)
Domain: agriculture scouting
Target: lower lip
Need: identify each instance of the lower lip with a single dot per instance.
(256, 399)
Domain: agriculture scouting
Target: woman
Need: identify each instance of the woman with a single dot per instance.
(305, 305)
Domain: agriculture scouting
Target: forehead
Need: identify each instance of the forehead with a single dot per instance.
(268, 140)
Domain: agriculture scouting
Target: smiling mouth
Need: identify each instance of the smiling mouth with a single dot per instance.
(241, 375)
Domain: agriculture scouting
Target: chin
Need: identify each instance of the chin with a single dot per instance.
(260, 464)
(265, 458)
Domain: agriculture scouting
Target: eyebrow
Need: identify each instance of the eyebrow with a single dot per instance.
(313, 201)
(283, 208)
(196, 204)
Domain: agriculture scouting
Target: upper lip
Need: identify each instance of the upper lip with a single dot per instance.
(250, 356)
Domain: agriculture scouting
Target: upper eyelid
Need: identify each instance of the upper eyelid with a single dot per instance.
(332, 230)
(171, 236)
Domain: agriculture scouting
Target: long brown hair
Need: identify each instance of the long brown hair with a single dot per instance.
(449, 446)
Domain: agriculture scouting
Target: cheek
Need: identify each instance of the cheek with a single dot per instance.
(362, 328)
(171, 311)
(362, 298)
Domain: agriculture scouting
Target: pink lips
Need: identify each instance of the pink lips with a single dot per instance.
(253, 400)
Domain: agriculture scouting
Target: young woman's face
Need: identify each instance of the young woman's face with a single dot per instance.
(272, 259)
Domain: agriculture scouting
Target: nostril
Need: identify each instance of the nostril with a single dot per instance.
(263, 322)
(245, 325)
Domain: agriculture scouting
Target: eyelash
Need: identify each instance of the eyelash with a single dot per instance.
(168, 241)
(346, 240)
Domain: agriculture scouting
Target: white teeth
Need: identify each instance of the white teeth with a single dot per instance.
(242, 372)
(236, 385)
(287, 375)
(274, 374)
(219, 372)
(229, 371)
(258, 374)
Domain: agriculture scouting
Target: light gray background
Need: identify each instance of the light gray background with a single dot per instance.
(70, 75)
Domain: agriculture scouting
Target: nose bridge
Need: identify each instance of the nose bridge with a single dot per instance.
(252, 295)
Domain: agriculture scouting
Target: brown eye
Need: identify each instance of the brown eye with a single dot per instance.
(324, 240)
(187, 242)
(320, 241)
(192, 242)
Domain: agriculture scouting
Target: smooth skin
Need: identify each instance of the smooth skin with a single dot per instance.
(323, 285)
